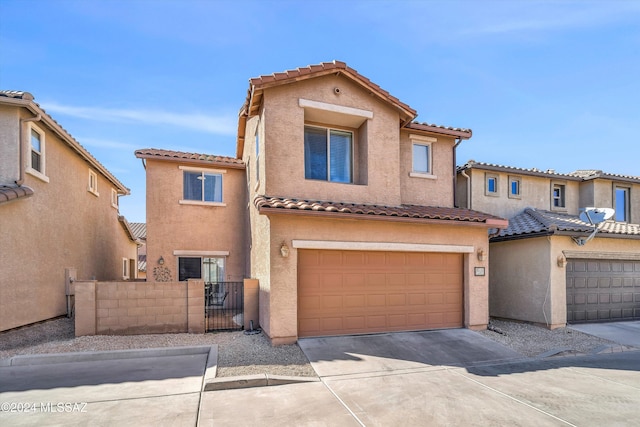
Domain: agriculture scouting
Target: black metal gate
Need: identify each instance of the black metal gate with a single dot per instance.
(224, 306)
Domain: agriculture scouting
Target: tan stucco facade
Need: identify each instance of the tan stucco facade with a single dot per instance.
(63, 225)
(528, 276)
(176, 228)
(278, 275)
(382, 175)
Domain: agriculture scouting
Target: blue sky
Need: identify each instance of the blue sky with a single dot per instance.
(546, 84)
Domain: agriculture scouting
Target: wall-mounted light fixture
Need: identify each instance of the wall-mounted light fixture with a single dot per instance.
(562, 261)
(481, 255)
(284, 250)
(161, 261)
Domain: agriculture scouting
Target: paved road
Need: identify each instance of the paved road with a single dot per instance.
(453, 377)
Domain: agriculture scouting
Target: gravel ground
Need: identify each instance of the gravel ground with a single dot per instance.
(240, 354)
(531, 340)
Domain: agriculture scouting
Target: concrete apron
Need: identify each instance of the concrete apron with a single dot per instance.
(402, 351)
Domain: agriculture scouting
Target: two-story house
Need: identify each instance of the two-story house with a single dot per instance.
(548, 266)
(59, 215)
(353, 227)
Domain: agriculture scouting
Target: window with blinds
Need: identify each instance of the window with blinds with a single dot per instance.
(328, 154)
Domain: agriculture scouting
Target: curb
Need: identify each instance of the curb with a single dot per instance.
(257, 380)
(91, 356)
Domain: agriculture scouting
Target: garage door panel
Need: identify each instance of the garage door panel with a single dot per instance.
(378, 292)
(601, 298)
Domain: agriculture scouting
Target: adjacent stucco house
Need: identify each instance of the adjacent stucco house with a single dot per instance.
(544, 267)
(139, 230)
(58, 215)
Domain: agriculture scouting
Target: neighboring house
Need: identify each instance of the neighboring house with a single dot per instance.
(353, 227)
(544, 267)
(196, 216)
(139, 230)
(58, 215)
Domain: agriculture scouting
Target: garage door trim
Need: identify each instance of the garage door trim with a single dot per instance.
(623, 256)
(379, 246)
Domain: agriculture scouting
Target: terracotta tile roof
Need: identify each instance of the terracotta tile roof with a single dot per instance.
(323, 68)
(368, 211)
(522, 171)
(183, 157)
(9, 193)
(139, 229)
(593, 174)
(26, 99)
(447, 130)
(128, 230)
(535, 222)
(579, 175)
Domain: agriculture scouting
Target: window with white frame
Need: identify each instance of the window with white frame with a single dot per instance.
(622, 207)
(37, 148)
(201, 186)
(92, 185)
(421, 156)
(328, 154)
(114, 198)
(491, 184)
(257, 157)
(558, 196)
(515, 184)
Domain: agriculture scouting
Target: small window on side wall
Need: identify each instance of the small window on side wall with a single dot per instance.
(622, 204)
(202, 186)
(422, 158)
(558, 196)
(125, 269)
(92, 185)
(114, 198)
(491, 185)
(37, 159)
(515, 185)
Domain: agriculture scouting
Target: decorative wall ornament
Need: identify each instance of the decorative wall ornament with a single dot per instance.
(161, 274)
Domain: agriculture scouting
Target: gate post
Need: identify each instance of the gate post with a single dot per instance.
(85, 321)
(251, 312)
(195, 306)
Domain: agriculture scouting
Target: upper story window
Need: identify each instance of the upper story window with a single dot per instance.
(491, 185)
(328, 154)
(114, 198)
(622, 204)
(36, 159)
(92, 186)
(257, 157)
(201, 186)
(558, 196)
(421, 156)
(515, 184)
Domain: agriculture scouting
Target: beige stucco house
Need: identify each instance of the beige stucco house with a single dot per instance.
(338, 203)
(545, 267)
(353, 227)
(58, 215)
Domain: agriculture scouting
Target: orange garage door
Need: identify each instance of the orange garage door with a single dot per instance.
(351, 292)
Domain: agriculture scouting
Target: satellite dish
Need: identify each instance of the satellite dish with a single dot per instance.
(595, 216)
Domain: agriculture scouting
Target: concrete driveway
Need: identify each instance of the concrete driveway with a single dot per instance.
(141, 387)
(624, 333)
(448, 378)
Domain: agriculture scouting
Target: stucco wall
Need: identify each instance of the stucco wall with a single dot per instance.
(284, 136)
(535, 193)
(61, 225)
(282, 274)
(172, 226)
(434, 191)
(526, 279)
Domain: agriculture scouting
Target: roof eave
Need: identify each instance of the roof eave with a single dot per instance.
(440, 131)
(190, 161)
(490, 223)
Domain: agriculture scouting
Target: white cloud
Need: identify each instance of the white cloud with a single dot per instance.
(104, 143)
(224, 124)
